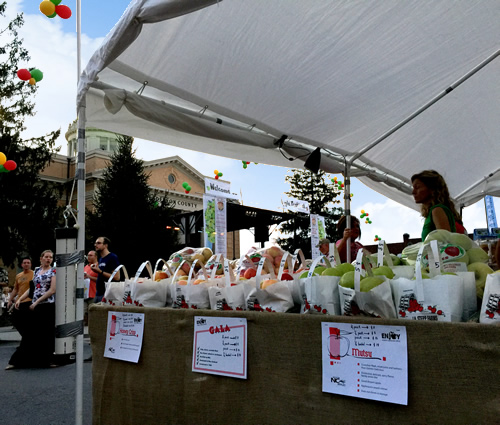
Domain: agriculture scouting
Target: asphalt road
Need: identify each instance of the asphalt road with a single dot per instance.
(41, 396)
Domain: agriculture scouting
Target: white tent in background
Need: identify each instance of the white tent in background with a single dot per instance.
(232, 77)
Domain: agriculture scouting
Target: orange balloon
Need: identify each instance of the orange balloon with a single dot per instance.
(3, 158)
(32, 81)
(47, 7)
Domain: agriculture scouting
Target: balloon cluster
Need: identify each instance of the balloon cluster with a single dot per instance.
(217, 174)
(33, 76)
(51, 8)
(365, 214)
(186, 187)
(338, 186)
(245, 164)
(377, 238)
(6, 166)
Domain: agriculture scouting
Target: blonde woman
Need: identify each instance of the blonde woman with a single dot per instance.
(37, 345)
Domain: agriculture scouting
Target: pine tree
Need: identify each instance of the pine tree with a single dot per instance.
(28, 205)
(321, 195)
(129, 214)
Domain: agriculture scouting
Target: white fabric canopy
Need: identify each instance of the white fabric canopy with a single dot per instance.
(232, 77)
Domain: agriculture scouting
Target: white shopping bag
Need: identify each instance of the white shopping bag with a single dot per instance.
(185, 294)
(276, 297)
(377, 302)
(229, 294)
(146, 292)
(117, 293)
(320, 294)
(167, 281)
(440, 298)
(490, 307)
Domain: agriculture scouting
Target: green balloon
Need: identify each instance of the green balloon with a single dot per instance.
(188, 188)
(56, 2)
(185, 185)
(3, 169)
(37, 74)
(52, 16)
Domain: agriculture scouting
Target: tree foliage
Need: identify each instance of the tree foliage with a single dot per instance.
(321, 196)
(128, 213)
(29, 205)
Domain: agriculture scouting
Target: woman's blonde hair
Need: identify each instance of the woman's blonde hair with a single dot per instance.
(439, 192)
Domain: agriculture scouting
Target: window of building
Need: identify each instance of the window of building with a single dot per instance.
(171, 178)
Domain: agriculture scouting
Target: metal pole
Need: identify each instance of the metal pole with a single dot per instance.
(80, 176)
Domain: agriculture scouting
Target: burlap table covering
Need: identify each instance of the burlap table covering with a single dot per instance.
(453, 375)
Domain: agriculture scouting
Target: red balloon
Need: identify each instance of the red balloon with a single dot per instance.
(10, 165)
(63, 11)
(24, 74)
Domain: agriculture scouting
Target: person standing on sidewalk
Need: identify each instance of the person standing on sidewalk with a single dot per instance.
(108, 262)
(21, 316)
(90, 274)
(38, 343)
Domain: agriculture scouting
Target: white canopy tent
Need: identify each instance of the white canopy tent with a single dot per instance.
(231, 79)
(385, 88)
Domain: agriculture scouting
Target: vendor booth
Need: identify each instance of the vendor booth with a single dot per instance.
(378, 90)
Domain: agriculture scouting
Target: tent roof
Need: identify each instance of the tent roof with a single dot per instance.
(232, 78)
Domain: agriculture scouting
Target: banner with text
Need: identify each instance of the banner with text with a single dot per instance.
(215, 224)
(218, 188)
(295, 205)
(318, 232)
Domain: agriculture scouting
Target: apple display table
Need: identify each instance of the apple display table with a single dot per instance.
(453, 374)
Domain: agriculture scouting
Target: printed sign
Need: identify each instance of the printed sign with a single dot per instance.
(124, 336)
(296, 205)
(219, 188)
(220, 346)
(365, 361)
(215, 224)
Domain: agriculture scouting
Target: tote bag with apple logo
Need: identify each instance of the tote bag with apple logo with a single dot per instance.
(117, 293)
(439, 298)
(490, 307)
(167, 281)
(268, 293)
(190, 293)
(229, 293)
(146, 292)
(320, 294)
(377, 301)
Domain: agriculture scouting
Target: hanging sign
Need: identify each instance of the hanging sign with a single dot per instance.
(124, 336)
(365, 361)
(317, 229)
(218, 188)
(295, 205)
(215, 224)
(220, 346)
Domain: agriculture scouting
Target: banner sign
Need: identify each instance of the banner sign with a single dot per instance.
(296, 205)
(218, 188)
(215, 224)
(318, 232)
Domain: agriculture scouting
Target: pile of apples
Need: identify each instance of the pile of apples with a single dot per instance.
(189, 255)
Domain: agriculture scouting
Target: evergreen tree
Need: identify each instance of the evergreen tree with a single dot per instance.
(29, 205)
(129, 214)
(320, 194)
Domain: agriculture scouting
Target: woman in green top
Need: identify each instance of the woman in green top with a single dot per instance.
(430, 190)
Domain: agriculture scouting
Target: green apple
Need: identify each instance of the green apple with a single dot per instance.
(478, 255)
(383, 271)
(459, 239)
(368, 283)
(331, 271)
(347, 280)
(319, 270)
(344, 268)
(481, 270)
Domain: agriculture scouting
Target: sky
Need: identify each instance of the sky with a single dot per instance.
(52, 44)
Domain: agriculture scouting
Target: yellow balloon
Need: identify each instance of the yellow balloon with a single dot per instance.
(32, 81)
(362, 211)
(47, 7)
(216, 172)
(3, 158)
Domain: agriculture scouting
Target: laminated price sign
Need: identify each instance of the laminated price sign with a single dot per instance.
(124, 336)
(365, 361)
(220, 346)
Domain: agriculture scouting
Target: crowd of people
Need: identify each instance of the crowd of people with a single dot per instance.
(32, 302)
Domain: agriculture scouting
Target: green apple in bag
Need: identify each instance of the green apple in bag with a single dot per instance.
(368, 283)
(383, 271)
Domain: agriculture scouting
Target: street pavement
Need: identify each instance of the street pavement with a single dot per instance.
(41, 396)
